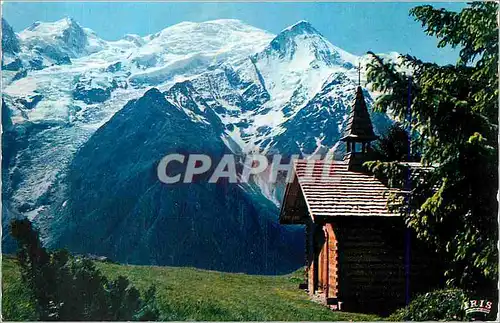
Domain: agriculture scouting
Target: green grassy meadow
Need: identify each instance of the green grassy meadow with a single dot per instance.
(187, 294)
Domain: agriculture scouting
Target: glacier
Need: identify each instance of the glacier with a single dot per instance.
(253, 91)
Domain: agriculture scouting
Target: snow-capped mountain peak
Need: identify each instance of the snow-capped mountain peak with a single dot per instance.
(209, 36)
(302, 26)
(256, 89)
(293, 67)
(55, 27)
(303, 42)
(60, 29)
(76, 107)
(193, 47)
(86, 121)
(64, 36)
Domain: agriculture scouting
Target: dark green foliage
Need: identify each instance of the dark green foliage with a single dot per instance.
(394, 145)
(36, 271)
(71, 288)
(440, 305)
(454, 111)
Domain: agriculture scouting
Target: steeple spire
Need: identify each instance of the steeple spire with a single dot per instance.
(359, 125)
(358, 133)
(359, 74)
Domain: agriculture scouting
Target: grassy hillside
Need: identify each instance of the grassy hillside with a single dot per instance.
(193, 294)
(16, 303)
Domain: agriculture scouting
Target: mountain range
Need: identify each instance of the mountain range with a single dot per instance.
(86, 122)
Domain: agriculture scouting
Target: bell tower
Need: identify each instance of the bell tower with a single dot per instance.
(358, 133)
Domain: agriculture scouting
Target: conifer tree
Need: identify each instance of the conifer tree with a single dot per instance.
(454, 111)
(71, 288)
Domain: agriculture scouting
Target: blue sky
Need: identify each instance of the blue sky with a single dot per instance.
(355, 27)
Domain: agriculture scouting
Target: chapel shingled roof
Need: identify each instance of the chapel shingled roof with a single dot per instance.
(341, 193)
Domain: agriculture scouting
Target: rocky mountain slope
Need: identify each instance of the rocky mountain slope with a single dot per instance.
(86, 121)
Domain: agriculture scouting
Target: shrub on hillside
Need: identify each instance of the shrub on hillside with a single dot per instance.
(71, 288)
(440, 305)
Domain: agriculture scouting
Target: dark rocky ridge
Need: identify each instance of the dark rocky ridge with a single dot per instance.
(115, 205)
